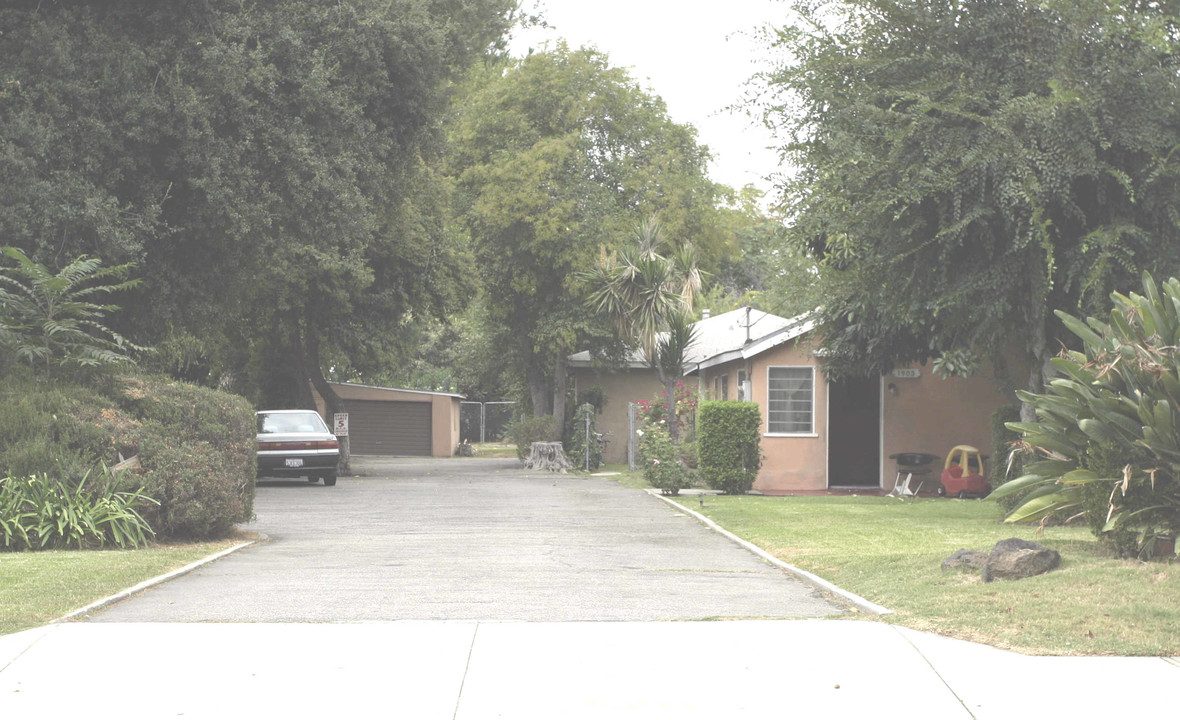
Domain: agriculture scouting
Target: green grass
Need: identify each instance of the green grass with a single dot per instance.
(890, 552)
(494, 450)
(37, 587)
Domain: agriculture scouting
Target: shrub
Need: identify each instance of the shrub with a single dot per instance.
(53, 427)
(39, 512)
(527, 430)
(689, 454)
(654, 410)
(658, 457)
(197, 450)
(195, 446)
(729, 445)
(1107, 436)
(577, 432)
(1009, 462)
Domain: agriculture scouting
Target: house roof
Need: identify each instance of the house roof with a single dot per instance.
(402, 390)
(740, 333)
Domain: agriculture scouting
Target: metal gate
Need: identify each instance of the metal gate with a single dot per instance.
(481, 422)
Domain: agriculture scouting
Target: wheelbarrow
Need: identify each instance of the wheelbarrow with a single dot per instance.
(962, 474)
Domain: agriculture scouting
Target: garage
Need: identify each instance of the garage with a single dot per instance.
(398, 421)
(389, 428)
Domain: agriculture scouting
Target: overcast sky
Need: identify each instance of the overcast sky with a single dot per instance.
(696, 55)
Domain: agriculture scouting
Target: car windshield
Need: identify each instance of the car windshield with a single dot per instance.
(269, 423)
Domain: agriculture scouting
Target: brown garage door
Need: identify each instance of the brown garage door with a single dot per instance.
(388, 428)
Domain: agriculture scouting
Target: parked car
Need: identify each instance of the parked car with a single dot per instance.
(296, 443)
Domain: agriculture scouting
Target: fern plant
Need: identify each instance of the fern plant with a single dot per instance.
(51, 320)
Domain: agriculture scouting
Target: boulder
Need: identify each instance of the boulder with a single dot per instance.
(965, 559)
(1013, 559)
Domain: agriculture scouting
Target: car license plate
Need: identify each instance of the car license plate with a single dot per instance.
(294, 462)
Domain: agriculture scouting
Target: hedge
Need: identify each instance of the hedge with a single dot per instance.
(729, 444)
(195, 446)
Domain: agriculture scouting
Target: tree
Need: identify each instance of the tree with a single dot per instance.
(771, 272)
(269, 166)
(556, 154)
(966, 167)
(649, 296)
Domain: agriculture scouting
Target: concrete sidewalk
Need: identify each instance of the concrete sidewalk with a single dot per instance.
(475, 670)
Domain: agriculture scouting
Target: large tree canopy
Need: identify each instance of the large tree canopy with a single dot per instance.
(560, 155)
(266, 164)
(963, 167)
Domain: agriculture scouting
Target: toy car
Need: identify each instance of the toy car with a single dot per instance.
(963, 478)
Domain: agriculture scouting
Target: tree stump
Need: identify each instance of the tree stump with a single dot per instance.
(547, 456)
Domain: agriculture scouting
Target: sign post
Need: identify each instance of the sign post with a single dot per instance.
(340, 430)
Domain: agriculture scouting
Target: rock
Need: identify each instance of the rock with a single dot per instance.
(965, 559)
(1013, 559)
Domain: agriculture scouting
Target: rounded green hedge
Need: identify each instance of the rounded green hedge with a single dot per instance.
(729, 445)
(196, 446)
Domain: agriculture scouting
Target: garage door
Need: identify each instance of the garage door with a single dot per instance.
(388, 428)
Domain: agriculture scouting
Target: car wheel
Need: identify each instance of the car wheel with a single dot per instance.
(330, 479)
(941, 491)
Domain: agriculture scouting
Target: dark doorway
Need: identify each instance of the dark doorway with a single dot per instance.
(854, 433)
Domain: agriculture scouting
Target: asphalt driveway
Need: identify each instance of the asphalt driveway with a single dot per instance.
(474, 539)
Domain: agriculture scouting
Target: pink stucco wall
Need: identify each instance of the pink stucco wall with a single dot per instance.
(788, 463)
(918, 414)
(923, 414)
(620, 388)
(931, 414)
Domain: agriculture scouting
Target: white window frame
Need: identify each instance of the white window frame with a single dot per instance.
(811, 420)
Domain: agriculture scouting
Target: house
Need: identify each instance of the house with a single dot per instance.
(816, 435)
(396, 421)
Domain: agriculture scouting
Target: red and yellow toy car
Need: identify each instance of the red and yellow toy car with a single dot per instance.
(963, 478)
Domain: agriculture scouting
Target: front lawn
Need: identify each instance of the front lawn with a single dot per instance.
(38, 587)
(890, 552)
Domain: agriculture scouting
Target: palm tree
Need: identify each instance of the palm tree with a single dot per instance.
(650, 296)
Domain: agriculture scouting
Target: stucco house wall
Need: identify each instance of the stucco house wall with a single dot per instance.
(620, 388)
(790, 462)
(931, 414)
(915, 410)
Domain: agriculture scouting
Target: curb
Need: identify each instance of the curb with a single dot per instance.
(158, 580)
(811, 579)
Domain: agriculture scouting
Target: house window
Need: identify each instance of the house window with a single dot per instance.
(742, 388)
(724, 387)
(790, 400)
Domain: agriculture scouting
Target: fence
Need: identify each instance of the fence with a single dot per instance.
(484, 421)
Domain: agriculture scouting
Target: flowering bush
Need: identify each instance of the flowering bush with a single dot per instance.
(661, 467)
(656, 409)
